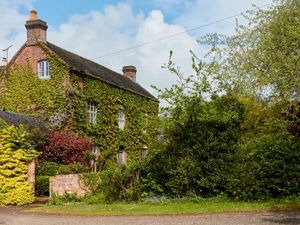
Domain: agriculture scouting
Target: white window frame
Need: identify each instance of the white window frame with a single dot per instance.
(121, 157)
(144, 152)
(44, 70)
(121, 117)
(95, 150)
(92, 113)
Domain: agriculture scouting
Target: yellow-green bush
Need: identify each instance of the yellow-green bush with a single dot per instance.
(15, 152)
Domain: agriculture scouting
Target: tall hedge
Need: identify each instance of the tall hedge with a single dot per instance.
(15, 153)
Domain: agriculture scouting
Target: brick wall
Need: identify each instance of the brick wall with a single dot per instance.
(69, 183)
(29, 56)
(31, 173)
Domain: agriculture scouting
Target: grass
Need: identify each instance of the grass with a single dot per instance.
(168, 208)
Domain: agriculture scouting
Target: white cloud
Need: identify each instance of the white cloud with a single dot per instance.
(200, 12)
(98, 33)
(12, 22)
(117, 27)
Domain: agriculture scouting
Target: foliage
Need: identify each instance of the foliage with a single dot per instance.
(114, 184)
(199, 152)
(65, 147)
(268, 166)
(140, 128)
(244, 149)
(27, 94)
(63, 99)
(42, 185)
(262, 61)
(263, 58)
(3, 124)
(64, 199)
(52, 169)
(92, 181)
(16, 152)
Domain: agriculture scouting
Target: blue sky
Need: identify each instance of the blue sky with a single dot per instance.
(64, 8)
(93, 28)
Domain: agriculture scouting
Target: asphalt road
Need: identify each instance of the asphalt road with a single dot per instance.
(15, 216)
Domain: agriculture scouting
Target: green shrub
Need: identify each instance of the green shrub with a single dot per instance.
(114, 184)
(198, 152)
(269, 167)
(53, 169)
(95, 198)
(64, 199)
(42, 185)
(92, 182)
(3, 124)
(15, 153)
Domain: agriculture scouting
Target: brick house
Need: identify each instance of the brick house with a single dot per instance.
(74, 93)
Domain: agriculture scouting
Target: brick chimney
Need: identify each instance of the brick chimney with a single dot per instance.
(130, 72)
(36, 29)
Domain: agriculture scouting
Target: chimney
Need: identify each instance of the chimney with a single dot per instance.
(4, 62)
(130, 72)
(36, 29)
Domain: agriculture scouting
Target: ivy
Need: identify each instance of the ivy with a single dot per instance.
(62, 101)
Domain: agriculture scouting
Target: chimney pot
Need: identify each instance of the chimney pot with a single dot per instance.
(36, 29)
(33, 15)
(130, 72)
(4, 61)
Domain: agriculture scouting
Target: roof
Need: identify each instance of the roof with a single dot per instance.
(93, 69)
(17, 119)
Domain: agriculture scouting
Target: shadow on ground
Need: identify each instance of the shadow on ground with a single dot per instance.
(284, 218)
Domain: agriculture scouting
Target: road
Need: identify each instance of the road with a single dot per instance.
(15, 216)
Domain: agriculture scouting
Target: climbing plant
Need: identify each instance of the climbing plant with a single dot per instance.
(15, 152)
(63, 100)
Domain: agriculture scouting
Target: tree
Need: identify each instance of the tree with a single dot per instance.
(65, 147)
(263, 58)
(263, 61)
(233, 110)
(201, 127)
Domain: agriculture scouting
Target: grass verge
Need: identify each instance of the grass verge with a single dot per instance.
(168, 208)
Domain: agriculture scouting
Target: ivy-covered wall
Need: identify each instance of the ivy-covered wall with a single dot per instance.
(140, 113)
(63, 101)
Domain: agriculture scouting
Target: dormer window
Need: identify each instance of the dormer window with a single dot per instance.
(121, 117)
(92, 112)
(44, 69)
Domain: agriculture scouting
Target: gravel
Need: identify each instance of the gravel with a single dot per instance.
(15, 216)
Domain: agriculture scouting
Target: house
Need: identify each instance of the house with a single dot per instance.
(73, 93)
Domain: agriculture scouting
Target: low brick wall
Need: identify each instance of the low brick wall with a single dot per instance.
(68, 183)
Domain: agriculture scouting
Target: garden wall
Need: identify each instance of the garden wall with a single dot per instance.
(68, 183)
(31, 173)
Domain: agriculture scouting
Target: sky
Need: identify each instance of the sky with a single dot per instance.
(96, 28)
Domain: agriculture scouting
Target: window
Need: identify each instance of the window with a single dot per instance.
(144, 152)
(96, 154)
(92, 113)
(121, 157)
(95, 150)
(44, 69)
(121, 117)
